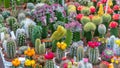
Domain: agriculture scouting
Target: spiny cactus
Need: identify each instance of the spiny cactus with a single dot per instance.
(89, 27)
(39, 48)
(97, 20)
(30, 29)
(80, 53)
(93, 55)
(15, 26)
(11, 49)
(36, 33)
(49, 64)
(85, 20)
(6, 14)
(60, 54)
(73, 50)
(21, 39)
(11, 20)
(85, 11)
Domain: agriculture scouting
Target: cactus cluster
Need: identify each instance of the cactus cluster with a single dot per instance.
(49, 64)
(11, 49)
(85, 20)
(80, 53)
(89, 27)
(39, 48)
(93, 55)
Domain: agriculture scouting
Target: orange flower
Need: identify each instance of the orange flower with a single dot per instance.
(29, 52)
(16, 62)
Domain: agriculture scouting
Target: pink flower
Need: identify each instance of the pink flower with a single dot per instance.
(92, 9)
(116, 7)
(116, 17)
(113, 24)
(49, 56)
(79, 16)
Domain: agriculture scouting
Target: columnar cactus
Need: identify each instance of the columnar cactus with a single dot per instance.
(11, 49)
(39, 48)
(49, 64)
(30, 29)
(93, 55)
(80, 53)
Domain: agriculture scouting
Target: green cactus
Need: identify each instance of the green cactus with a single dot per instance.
(11, 49)
(49, 64)
(30, 29)
(80, 53)
(85, 20)
(21, 39)
(93, 55)
(60, 54)
(39, 48)
(15, 26)
(73, 50)
(6, 3)
(36, 33)
(85, 11)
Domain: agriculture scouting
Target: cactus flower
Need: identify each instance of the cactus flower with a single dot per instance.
(116, 17)
(113, 24)
(16, 62)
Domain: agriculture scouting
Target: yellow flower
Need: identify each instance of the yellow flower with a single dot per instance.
(116, 61)
(101, 12)
(16, 62)
(32, 62)
(27, 62)
(118, 42)
(112, 60)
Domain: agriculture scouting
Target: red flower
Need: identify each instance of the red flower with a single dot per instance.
(79, 16)
(93, 44)
(116, 17)
(113, 24)
(116, 7)
(92, 9)
(79, 8)
(98, 4)
(103, 1)
(91, 16)
(49, 56)
(94, 0)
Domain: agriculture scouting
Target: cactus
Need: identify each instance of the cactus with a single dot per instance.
(30, 6)
(15, 26)
(21, 39)
(36, 33)
(73, 50)
(6, 3)
(85, 11)
(80, 53)
(30, 29)
(49, 64)
(93, 55)
(11, 20)
(97, 20)
(60, 54)
(6, 14)
(11, 49)
(85, 20)
(21, 17)
(39, 48)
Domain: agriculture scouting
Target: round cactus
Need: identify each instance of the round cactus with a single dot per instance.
(85, 20)
(85, 11)
(106, 18)
(89, 27)
(5, 14)
(97, 20)
(30, 6)
(102, 29)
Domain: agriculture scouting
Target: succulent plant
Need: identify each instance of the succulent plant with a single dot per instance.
(30, 29)
(85, 11)
(89, 27)
(102, 29)
(93, 55)
(11, 49)
(21, 17)
(11, 20)
(36, 33)
(6, 14)
(49, 64)
(85, 20)
(107, 54)
(30, 6)
(97, 20)
(39, 48)
(80, 53)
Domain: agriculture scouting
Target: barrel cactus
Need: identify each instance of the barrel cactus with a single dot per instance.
(89, 27)
(39, 48)
(30, 29)
(6, 14)
(85, 20)
(36, 33)
(97, 20)
(85, 11)
(93, 55)
(49, 64)
(11, 49)
(80, 53)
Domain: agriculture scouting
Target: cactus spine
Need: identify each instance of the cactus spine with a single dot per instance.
(60, 54)
(80, 53)
(39, 48)
(21, 39)
(93, 55)
(11, 49)
(73, 50)
(49, 64)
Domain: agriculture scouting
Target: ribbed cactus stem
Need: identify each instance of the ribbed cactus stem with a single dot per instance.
(49, 64)
(93, 55)
(11, 49)
(6, 3)
(60, 54)
(21, 39)
(39, 48)
(80, 53)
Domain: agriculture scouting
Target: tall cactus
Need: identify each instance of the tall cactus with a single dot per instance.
(21, 39)
(80, 53)
(49, 64)
(94, 55)
(39, 48)
(11, 49)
